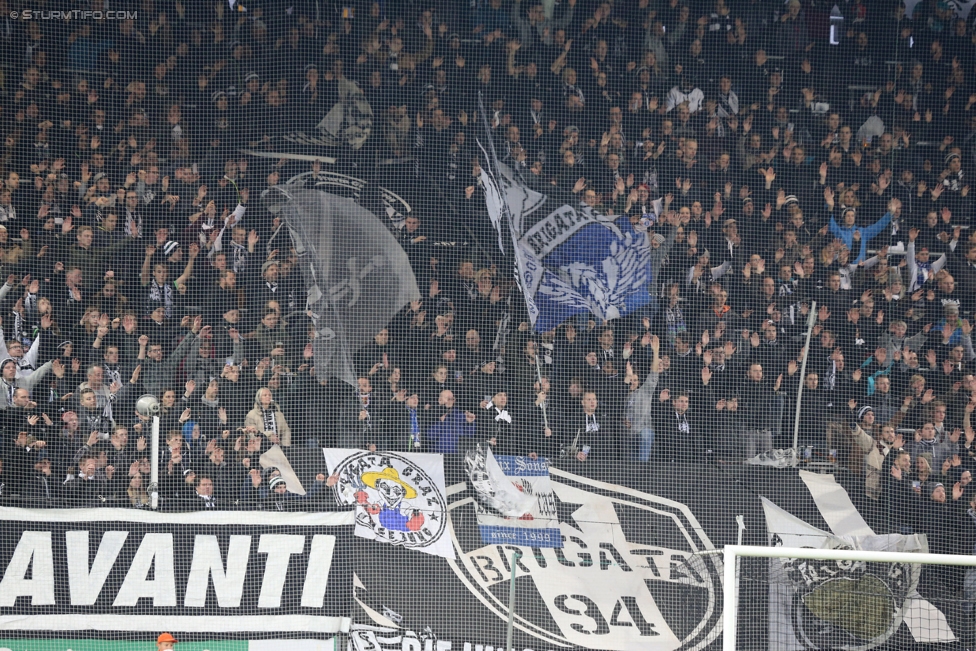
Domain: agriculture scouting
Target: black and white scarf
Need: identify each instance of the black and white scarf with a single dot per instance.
(160, 294)
(240, 256)
(591, 423)
(270, 422)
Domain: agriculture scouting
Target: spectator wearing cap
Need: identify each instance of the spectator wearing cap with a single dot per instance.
(855, 237)
(165, 642)
(279, 498)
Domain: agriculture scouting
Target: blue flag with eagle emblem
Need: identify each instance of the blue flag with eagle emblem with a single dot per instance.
(571, 258)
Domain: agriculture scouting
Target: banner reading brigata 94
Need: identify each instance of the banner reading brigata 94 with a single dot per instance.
(632, 571)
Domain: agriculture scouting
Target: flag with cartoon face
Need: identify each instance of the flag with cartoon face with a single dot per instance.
(399, 497)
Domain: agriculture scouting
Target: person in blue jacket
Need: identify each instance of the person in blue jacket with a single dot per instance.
(853, 235)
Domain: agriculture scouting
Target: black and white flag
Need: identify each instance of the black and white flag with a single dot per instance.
(357, 275)
(821, 604)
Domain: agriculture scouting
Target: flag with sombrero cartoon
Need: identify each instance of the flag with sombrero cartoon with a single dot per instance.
(399, 497)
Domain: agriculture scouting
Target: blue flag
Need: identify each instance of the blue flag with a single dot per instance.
(571, 258)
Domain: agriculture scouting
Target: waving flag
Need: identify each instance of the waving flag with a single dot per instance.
(356, 274)
(571, 258)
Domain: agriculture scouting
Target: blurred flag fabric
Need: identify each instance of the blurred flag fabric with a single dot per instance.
(357, 275)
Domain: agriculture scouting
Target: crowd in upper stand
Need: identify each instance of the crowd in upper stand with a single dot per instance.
(772, 167)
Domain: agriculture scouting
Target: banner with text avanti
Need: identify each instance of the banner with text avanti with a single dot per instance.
(214, 572)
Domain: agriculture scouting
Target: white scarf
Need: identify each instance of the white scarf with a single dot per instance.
(500, 414)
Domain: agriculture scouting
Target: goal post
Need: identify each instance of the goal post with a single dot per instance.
(732, 554)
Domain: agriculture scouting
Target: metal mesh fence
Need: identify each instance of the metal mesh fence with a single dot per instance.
(393, 325)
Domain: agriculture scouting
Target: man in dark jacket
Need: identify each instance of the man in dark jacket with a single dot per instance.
(592, 432)
(366, 422)
(678, 430)
(88, 486)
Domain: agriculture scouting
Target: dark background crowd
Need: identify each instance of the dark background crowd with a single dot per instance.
(777, 159)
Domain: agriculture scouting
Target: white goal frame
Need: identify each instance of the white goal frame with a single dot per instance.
(732, 553)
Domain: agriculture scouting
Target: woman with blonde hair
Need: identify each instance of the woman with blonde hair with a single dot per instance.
(266, 418)
(138, 497)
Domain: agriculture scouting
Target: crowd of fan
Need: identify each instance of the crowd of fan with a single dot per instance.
(140, 260)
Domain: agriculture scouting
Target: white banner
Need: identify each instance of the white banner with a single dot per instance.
(399, 497)
(515, 501)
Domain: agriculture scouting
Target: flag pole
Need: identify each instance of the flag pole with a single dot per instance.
(811, 320)
(538, 374)
(516, 555)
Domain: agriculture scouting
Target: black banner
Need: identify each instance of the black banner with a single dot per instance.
(215, 572)
(635, 570)
(639, 568)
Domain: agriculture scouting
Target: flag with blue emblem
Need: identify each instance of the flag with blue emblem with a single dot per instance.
(571, 258)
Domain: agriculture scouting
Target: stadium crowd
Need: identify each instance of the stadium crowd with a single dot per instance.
(771, 168)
